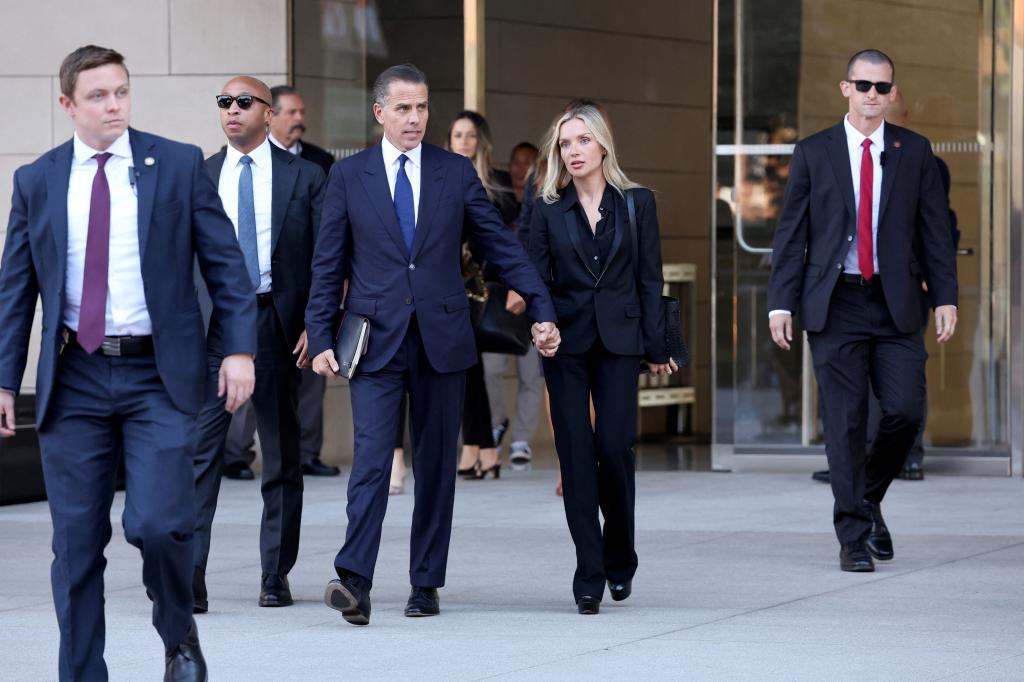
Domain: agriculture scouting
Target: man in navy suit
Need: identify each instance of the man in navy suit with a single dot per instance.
(105, 229)
(863, 221)
(393, 218)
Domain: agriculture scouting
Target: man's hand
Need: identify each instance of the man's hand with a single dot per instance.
(236, 380)
(781, 325)
(945, 322)
(663, 368)
(514, 303)
(326, 364)
(546, 338)
(300, 349)
(6, 413)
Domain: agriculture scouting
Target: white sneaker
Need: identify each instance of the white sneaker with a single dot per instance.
(520, 456)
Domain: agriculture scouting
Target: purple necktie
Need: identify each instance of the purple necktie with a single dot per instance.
(92, 318)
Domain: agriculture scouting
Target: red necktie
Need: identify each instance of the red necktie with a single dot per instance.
(865, 250)
(92, 318)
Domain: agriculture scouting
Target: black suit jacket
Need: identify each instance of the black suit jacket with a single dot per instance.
(318, 155)
(819, 220)
(298, 190)
(622, 309)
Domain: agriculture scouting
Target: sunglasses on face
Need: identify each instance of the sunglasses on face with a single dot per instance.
(881, 87)
(244, 101)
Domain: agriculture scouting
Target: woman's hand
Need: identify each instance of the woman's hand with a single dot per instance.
(657, 369)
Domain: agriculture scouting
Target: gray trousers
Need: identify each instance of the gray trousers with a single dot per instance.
(529, 394)
(311, 423)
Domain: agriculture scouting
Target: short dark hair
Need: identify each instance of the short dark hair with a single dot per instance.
(83, 59)
(871, 57)
(400, 72)
(526, 145)
(278, 91)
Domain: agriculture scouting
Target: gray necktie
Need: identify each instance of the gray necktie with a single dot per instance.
(247, 222)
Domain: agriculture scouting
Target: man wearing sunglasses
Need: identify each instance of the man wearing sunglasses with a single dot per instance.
(863, 219)
(273, 199)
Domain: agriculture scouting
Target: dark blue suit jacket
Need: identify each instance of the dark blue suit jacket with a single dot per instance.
(180, 217)
(359, 230)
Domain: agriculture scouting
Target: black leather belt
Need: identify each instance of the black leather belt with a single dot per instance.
(263, 300)
(850, 278)
(116, 346)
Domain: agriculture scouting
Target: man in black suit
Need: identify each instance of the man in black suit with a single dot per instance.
(394, 217)
(273, 198)
(287, 125)
(863, 218)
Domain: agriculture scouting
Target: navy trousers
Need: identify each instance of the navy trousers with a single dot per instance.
(103, 406)
(435, 413)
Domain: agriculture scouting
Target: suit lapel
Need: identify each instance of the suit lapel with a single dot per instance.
(146, 164)
(892, 163)
(619, 222)
(58, 176)
(572, 225)
(284, 174)
(432, 174)
(839, 155)
(375, 181)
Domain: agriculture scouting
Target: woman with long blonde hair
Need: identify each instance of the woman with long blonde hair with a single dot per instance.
(605, 279)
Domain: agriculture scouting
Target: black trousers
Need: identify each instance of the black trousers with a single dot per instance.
(597, 462)
(476, 417)
(860, 343)
(275, 400)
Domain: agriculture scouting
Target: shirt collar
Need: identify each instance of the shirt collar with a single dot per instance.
(855, 138)
(294, 149)
(121, 147)
(391, 153)
(260, 156)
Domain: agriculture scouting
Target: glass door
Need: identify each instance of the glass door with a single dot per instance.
(778, 68)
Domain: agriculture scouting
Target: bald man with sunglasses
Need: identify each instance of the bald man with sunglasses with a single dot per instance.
(273, 199)
(864, 221)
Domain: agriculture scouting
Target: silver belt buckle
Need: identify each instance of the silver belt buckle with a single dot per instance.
(111, 346)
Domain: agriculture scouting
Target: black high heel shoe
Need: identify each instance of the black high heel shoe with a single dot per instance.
(495, 469)
(470, 472)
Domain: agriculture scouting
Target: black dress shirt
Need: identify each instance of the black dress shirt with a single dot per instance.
(597, 242)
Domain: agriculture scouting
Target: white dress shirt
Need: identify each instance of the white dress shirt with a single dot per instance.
(413, 169)
(127, 314)
(854, 140)
(295, 149)
(262, 194)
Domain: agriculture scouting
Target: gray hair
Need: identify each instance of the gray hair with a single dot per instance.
(400, 72)
(278, 91)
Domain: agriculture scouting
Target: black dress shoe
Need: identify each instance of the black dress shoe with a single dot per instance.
(854, 557)
(823, 476)
(588, 606)
(185, 662)
(879, 541)
(274, 590)
(239, 471)
(317, 468)
(351, 596)
(912, 472)
(620, 590)
(423, 601)
(200, 601)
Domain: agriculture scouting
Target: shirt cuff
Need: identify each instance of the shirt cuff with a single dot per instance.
(773, 313)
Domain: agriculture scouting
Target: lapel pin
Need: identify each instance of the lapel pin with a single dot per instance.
(149, 160)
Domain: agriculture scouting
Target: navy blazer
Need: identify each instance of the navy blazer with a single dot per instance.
(297, 191)
(359, 229)
(819, 220)
(180, 217)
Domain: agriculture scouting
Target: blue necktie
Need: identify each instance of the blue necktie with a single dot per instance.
(403, 203)
(247, 222)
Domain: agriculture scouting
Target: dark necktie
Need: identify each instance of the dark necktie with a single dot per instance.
(92, 315)
(247, 222)
(865, 249)
(404, 204)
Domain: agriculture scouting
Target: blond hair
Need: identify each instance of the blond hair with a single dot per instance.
(483, 160)
(597, 124)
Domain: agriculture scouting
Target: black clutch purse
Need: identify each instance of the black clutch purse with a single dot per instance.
(497, 330)
(674, 343)
(350, 342)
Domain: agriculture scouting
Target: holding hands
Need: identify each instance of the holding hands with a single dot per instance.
(546, 338)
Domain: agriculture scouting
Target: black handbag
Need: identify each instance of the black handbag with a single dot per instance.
(674, 343)
(497, 330)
